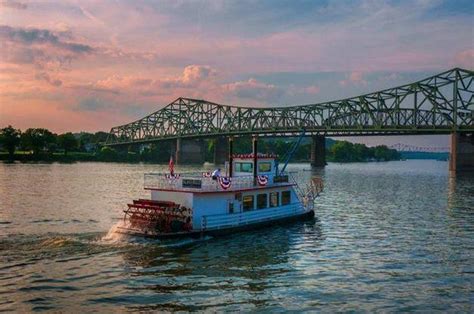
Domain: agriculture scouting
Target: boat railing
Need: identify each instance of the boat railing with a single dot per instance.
(250, 217)
(194, 182)
(307, 191)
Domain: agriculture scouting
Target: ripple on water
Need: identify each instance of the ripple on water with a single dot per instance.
(388, 237)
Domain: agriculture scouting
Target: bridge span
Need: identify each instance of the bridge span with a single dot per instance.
(440, 104)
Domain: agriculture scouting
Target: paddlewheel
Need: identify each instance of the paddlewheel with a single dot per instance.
(158, 216)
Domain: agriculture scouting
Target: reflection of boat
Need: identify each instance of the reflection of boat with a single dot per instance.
(253, 193)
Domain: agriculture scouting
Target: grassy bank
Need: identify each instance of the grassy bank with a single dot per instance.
(70, 157)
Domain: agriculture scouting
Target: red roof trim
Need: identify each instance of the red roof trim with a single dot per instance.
(223, 191)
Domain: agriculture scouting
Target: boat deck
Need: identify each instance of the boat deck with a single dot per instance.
(203, 183)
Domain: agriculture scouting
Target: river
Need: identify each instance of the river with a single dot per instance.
(391, 236)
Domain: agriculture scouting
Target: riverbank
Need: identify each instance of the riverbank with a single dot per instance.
(123, 158)
(71, 157)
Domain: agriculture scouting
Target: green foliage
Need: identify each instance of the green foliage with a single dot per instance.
(89, 145)
(100, 137)
(343, 151)
(158, 152)
(38, 140)
(383, 153)
(92, 141)
(108, 154)
(278, 146)
(68, 142)
(10, 139)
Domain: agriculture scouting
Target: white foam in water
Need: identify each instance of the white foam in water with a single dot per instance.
(113, 236)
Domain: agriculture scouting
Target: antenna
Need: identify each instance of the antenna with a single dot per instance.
(293, 150)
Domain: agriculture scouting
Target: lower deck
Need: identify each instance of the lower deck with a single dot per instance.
(222, 230)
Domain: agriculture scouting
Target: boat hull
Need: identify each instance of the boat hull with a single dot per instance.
(221, 231)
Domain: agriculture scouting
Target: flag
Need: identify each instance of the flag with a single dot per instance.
(171, 165)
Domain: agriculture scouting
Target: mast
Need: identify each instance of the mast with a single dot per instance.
(231, 157)
(255, 158)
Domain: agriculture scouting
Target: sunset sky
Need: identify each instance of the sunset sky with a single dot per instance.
(90, 65)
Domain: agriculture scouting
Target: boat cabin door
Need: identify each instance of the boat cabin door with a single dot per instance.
(234, 205)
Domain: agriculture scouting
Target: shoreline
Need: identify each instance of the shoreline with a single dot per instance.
(128, 159)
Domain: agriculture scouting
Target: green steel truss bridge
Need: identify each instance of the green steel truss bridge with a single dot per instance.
(443, 103)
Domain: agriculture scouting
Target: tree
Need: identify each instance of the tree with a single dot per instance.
(342, 151)
(361, 152)
(10, 139)
(100, 137)
(38, 139)
(108, 154)
(384, 153)
(85, 141)
(68, 142)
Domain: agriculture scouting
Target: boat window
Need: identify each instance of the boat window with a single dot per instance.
(231, 208)
(265, 166)
(243, 167)
(273, 199)
(238, 196)
(248, 202)
(285, 198)
(262, 201)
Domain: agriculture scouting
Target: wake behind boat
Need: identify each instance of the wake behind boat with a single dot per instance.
(252, 193)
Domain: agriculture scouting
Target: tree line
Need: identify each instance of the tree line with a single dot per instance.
(42, 144)
(343, 151)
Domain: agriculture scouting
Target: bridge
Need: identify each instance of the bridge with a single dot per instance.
(414, 148)
(440, 104)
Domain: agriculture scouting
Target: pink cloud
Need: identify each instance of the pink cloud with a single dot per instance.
(196, 73)
(191, 77)
(126, 57)
(465, 59)
(45, 77)
(355, 78)
(312, 90)
(254, 89)
(12, 4)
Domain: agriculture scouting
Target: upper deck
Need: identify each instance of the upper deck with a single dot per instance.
(202, 183)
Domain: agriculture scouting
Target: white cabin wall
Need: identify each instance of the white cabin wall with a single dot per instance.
(184, 199)
(210, 204)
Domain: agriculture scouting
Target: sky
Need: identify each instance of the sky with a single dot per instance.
(89, 65)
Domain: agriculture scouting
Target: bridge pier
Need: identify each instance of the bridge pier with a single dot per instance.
(221, 150)
(318, 151)
(461, 156)
(189, 151)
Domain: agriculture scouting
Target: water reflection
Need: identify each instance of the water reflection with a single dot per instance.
(461, 191)
(245, 264)
(393, 236)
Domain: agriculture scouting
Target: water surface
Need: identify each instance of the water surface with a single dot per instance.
(395, 236)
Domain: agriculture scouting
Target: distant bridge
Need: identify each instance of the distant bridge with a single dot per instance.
(425, 149)
(443, 103)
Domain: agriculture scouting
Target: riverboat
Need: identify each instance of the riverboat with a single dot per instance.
(251, 193)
